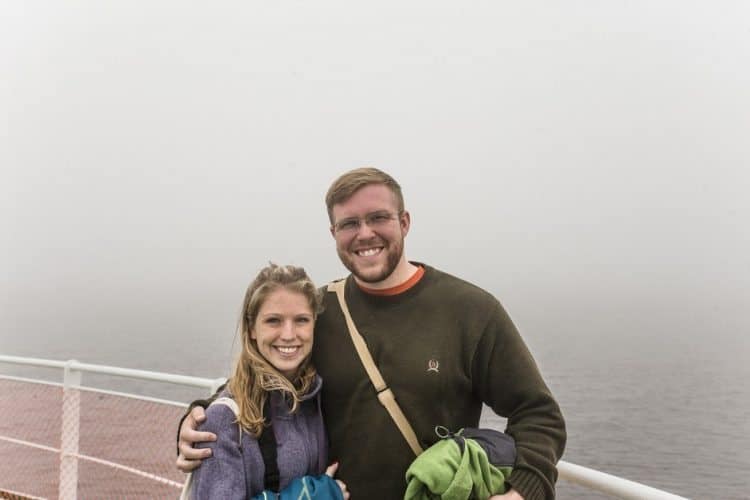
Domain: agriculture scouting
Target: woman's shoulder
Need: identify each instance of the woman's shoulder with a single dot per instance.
(220, 414)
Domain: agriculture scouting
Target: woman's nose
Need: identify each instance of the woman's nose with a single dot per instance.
(287, 331)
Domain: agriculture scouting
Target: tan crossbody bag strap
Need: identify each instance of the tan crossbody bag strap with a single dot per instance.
(385, 395)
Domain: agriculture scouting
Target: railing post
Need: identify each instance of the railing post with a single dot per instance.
(71, 412)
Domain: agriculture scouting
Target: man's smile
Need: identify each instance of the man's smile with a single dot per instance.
(368, 252)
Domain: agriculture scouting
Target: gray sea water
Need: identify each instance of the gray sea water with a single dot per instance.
(673, 414)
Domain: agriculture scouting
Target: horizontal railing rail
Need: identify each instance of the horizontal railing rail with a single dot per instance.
(610, 484)
(207, 383)
(576, 474)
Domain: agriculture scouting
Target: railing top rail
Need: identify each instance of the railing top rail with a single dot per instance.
(207, 383)
(20, 360)
(612, 485)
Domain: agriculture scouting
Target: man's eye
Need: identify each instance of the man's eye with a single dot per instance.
(348, 224)
(380, 218)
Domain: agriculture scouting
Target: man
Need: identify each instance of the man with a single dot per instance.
(443, 345)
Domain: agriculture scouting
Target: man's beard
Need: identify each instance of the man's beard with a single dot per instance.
(396, 250)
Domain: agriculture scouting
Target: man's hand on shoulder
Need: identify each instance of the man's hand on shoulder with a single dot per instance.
(510, 495)
(190, 458)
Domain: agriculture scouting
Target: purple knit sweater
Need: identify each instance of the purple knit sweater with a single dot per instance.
(236, 469)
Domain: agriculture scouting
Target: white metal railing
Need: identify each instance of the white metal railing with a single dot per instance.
(73, 370)
(71, 404)
(73, 365)
(611, 485)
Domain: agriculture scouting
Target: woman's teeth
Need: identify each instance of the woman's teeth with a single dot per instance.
(287, 350)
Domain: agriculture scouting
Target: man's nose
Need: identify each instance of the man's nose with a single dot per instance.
(364, 231)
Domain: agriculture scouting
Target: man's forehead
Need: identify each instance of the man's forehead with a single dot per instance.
(370, 198)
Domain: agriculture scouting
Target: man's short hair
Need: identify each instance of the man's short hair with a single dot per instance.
(352, 181)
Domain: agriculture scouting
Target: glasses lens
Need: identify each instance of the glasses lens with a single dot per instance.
(375, 219)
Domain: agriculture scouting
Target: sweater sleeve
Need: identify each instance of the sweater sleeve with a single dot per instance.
(507, 379)
(221, 476)
(203, 403)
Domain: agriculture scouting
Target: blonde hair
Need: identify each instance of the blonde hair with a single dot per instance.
(253, 377)
(352, 181)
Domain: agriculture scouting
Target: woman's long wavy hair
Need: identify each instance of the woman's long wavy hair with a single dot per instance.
(253, 376)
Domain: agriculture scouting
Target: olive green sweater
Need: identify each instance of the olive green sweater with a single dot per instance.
(444, 347)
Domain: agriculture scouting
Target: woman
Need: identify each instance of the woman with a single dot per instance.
(277, 396)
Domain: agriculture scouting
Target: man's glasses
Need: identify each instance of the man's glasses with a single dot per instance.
(374, 220)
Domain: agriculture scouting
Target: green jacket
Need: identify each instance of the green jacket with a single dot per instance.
(445, 471)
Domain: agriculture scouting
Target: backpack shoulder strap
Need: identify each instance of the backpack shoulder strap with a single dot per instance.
(231, 403)
(385, 395)
(267, 443)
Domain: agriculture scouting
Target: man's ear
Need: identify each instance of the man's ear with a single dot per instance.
(333, 231)
(405, 222)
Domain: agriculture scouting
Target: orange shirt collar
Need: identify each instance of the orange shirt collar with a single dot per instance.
(413, 280)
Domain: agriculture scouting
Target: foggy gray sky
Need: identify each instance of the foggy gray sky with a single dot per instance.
(578, 159)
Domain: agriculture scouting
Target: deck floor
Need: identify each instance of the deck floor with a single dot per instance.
(133, 433)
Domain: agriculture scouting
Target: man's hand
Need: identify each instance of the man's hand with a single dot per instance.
(330, 472)
(509, 495)
(190, 458)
